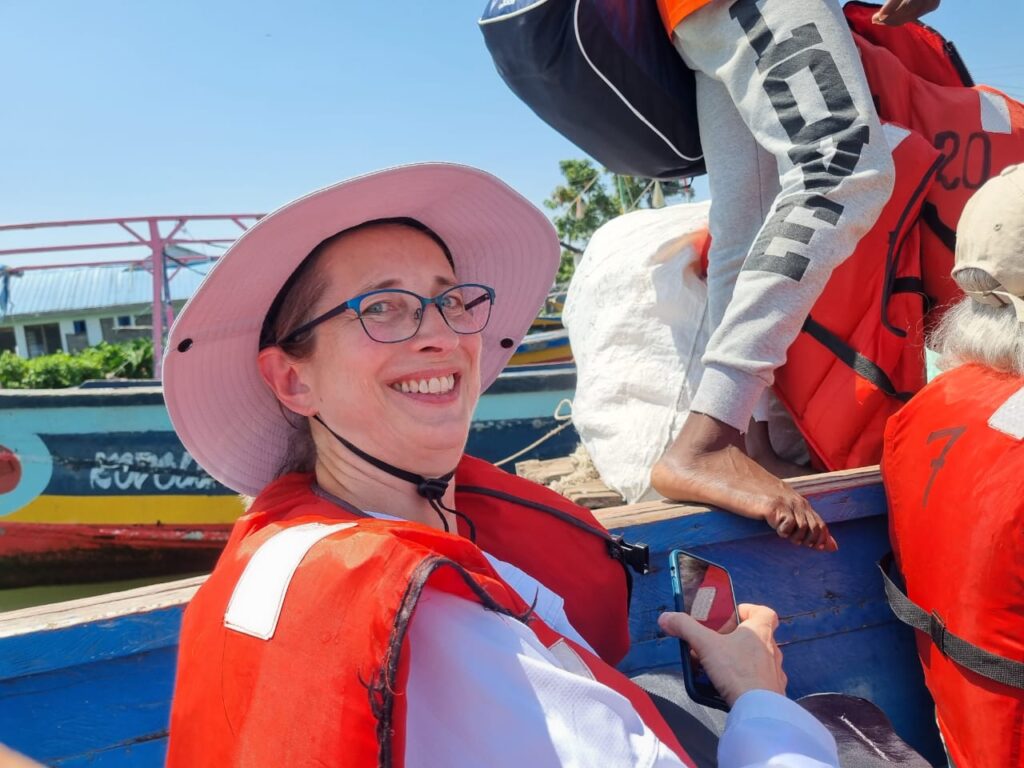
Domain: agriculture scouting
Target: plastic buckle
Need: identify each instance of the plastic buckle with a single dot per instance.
(937, 632)
(636, 556)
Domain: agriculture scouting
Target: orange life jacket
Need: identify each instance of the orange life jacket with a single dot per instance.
(954, 480)
(322, 680)
(557, 542)
(919, 81)
(919, 48)
(860, 354)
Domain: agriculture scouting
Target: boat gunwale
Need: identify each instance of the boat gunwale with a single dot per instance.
(810, 486)
(88, 610)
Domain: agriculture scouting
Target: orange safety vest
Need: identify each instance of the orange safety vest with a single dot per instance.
(953, 475)
(860, 354)
(322, 679)
(557, 542)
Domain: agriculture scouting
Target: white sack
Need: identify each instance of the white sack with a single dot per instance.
(636, 311)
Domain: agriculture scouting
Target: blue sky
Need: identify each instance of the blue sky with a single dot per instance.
(134, 108)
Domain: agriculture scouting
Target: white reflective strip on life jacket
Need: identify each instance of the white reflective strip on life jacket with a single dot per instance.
(995, 113)
(1009, 419)
(255, 604)
(703, 602)
(569, 660)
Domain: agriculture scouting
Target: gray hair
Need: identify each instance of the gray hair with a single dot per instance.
(972, 332)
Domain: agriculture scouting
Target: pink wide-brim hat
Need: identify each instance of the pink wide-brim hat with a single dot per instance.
(226, 416)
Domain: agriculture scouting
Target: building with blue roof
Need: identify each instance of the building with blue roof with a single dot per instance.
(70, 308)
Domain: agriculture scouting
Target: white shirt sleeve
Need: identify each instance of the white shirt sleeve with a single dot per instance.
(483, 690)
(767, 730)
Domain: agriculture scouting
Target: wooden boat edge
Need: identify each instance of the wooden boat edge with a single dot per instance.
(86, 610)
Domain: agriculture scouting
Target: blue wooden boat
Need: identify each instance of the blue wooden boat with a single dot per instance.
(96, 486)
(88, 683)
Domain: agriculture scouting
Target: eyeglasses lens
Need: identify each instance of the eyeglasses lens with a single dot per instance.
(390, 316)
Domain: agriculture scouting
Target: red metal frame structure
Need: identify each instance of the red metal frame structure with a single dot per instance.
(152, 232)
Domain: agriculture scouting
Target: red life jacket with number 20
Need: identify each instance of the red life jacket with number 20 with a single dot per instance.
(918, 80)
(860, 354)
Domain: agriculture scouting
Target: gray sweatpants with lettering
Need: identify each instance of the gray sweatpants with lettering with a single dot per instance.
(799, 171)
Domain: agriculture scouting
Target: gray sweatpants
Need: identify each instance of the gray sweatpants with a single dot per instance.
(799, 171)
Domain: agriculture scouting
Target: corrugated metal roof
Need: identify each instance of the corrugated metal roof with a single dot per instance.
(71, 289)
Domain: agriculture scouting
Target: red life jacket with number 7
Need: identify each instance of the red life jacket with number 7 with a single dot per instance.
(952, 471)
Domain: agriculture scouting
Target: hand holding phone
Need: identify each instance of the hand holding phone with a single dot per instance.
(734, 649)
(704, 591)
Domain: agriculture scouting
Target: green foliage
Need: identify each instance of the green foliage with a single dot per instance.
(590, 197)
(128, 360)
(12, 370)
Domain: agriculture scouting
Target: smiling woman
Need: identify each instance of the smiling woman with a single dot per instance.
(395, 355)
(384, 600)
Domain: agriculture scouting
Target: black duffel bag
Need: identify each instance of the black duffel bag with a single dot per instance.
(604, 74)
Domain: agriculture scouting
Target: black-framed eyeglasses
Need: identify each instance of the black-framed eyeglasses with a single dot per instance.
(390, 315)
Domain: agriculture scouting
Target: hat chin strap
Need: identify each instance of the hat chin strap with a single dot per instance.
(430, 488)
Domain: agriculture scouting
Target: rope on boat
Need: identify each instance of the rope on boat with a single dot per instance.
(565, 418)
(583, 472)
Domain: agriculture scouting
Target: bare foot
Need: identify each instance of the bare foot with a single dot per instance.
(759, 448)
(707, 464)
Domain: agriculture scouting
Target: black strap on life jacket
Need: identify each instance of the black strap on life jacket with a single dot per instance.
(632, 557)
(637, 556)
(863, 366)
(897, 239)
(955, 648)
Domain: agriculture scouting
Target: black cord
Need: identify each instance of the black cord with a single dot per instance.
(430, 488)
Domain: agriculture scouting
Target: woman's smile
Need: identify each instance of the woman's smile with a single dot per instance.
(433, 387)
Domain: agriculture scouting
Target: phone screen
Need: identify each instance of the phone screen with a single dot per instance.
(704, 591)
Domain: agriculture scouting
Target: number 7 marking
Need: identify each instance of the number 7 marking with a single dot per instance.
(952, 434)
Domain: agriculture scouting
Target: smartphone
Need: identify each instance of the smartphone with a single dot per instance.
(703, 590)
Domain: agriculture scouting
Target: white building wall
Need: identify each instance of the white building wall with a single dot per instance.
(19, 338)
(92, 329)
(66, 323)
(66, 327)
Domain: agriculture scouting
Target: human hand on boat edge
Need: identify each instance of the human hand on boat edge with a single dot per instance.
(745, 659)
(707, 464)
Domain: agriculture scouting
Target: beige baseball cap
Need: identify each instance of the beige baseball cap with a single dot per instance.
(990, 237)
